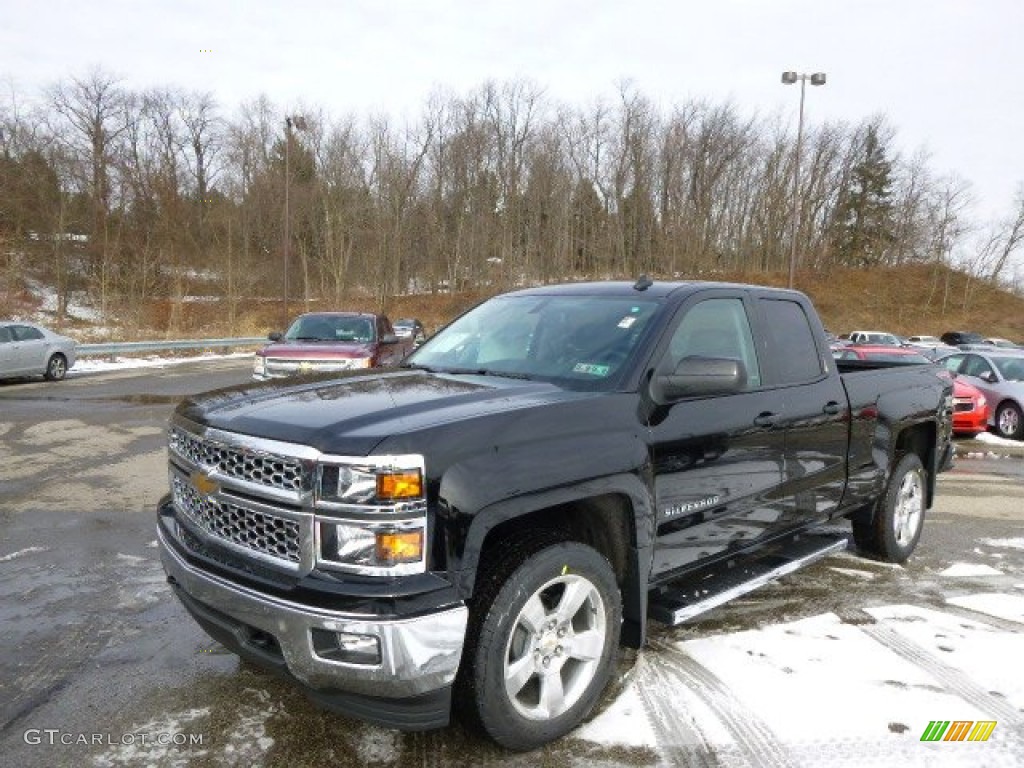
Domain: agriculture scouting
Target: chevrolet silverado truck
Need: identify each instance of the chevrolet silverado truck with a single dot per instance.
(485, 526)
(328, 342)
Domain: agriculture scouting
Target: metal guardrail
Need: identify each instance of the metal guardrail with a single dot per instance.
(136, 347)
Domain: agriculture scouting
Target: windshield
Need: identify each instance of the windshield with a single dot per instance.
(1010, 368)
(331, 328)
(574, 340)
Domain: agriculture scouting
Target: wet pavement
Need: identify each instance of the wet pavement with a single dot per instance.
(102, 667)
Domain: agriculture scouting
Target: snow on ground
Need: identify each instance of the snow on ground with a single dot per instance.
(101, 365)
(1002, 606)
(20, 553)
(826, 691)
(1004, 543)
(960, 570)
(988, 437)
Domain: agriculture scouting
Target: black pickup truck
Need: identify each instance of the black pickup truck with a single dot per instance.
(484, 526)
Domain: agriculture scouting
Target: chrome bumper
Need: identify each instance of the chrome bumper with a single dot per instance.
(418, 655)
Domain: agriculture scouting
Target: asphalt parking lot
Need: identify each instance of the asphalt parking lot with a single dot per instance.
(843, 663)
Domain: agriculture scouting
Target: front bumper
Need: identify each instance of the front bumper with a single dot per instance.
(410, 687)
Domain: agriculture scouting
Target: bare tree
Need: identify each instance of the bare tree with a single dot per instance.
(93, 112)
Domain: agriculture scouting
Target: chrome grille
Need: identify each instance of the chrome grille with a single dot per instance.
(262, 469)
(268, 534)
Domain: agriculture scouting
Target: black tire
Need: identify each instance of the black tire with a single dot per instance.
(1010, 421)
(533, 667)
(892, 532)
(56, 367)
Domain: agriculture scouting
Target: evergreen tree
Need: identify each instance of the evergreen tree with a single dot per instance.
(864, 226)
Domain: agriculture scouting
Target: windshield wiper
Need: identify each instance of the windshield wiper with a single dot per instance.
(469, 371)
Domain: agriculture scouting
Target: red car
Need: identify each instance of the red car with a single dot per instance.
(328, 342)
(970, 410)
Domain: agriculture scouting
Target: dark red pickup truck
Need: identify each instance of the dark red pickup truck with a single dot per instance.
(327, 342)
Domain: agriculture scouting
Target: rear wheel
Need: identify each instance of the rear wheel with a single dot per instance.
(56, 367)
(1010, 421)
(892, 533)
(542, 641)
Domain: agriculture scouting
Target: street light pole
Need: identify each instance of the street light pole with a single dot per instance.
(298, 123)
(789, 78)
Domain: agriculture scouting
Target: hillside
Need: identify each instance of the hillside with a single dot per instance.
(906, 300)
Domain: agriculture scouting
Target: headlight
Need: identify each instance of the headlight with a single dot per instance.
(364, 547)
(359, 362)
(381, 481)
(259, 366)
(981, 401)
(371, 514)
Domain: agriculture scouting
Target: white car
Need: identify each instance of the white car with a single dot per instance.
(31, 350)
(926, 341)
(880, 338)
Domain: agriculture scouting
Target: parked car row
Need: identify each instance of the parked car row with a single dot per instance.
(988, 371)
(988, 383)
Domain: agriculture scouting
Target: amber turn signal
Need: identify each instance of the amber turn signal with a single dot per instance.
(395, 548)
(399, 485)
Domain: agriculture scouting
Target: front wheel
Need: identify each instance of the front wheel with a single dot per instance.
(542, 642)
(1010, 421)
(893, 532)
(56, 367)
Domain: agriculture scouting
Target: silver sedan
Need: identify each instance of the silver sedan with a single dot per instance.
(999, 374)
(31, 350)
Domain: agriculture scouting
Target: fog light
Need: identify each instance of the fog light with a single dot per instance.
(346, 647)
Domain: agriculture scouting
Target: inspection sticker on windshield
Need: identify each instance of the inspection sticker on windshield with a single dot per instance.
(627, 321)
(591, 368)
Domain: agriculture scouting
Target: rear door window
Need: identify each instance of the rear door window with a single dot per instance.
(792, 344)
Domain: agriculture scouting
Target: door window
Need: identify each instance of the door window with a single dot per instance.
(716, 328)
(26, 333)
(977, 367)
(794, 350)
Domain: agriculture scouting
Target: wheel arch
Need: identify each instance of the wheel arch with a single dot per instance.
(920, 439)
(616, 520)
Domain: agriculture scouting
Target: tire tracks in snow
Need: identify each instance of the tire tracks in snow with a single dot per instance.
(952, 679)
(754, 740)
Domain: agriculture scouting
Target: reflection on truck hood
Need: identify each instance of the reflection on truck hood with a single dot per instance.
(351, 414)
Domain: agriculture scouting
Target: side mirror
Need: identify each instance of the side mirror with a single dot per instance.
(389, 338)
(275, 336)
(700, 377)
(988, 376)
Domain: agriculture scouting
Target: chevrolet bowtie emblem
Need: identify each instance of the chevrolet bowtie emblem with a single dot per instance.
(205, 484)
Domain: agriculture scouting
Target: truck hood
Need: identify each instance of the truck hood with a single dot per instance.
(352, 413)
(306, 350)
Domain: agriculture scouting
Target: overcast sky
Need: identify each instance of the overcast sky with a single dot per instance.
(947, 73)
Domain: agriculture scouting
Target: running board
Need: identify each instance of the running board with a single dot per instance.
(678, 602)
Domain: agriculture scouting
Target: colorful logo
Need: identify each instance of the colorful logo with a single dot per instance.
(205, 484)
(958, 730)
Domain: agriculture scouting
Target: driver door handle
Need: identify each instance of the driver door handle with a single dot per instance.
(766, 419)
(832, 408)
